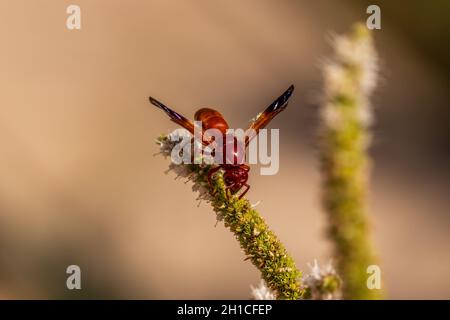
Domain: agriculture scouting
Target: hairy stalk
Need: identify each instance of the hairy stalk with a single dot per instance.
(350, 78)
(260, 245)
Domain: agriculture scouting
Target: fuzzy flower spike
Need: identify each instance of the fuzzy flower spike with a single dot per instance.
(350, 77)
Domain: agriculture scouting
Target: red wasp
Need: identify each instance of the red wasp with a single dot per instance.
(235, 171)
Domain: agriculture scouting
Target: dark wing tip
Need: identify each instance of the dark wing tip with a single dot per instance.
(172, 114)
(288, 92)
(281, 102)
(155, 102)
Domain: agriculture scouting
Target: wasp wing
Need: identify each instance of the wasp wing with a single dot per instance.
(267, 115)
(174, 116)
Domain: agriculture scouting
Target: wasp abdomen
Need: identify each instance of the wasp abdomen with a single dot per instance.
(211, 119)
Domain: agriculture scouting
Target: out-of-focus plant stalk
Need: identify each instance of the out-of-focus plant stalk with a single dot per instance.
(350, 77)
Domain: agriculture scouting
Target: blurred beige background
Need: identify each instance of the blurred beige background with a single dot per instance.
(80, 183)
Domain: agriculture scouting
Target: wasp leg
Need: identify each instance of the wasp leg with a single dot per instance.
(247, 187)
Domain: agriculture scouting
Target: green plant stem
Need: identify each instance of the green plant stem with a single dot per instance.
(260, 244)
